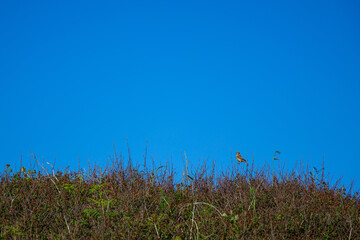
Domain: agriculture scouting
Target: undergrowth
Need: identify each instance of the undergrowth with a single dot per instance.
(124, 201)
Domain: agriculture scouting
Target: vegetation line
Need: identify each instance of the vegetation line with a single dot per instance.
(124, 202)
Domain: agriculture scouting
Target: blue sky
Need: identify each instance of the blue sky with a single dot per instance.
(197, 76)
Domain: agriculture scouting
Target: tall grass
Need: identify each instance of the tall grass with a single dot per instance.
(123, 201)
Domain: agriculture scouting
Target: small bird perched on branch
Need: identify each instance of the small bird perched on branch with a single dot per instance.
(240, 158)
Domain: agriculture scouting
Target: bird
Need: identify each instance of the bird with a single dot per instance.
(240, 158)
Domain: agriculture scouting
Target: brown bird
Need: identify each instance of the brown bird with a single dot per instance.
(240, 158)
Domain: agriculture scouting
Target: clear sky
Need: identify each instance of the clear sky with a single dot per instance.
(197, 76)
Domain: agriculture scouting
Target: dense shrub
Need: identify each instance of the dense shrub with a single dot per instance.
(124, 202)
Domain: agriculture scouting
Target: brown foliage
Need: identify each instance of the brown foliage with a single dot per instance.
(126, 203)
